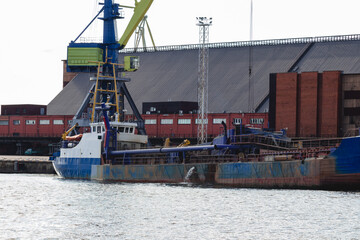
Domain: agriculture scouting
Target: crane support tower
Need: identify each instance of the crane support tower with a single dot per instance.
(101, 60)
(202, 84)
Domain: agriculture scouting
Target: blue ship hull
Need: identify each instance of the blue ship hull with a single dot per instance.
(348, 156)
(75, 168)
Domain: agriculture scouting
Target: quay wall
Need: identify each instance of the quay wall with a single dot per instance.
(26, 164)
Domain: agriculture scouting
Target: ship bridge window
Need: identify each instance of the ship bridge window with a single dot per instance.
(98, 129)
(121, 129)
(103, 129)
(127, 130)
(94, 129)
(131, 130)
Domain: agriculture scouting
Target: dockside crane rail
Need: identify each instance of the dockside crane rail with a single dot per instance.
(101, 59)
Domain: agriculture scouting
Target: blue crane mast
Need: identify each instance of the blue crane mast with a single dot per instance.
(102, 60)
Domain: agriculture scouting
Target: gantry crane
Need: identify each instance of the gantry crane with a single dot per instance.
(102, 59)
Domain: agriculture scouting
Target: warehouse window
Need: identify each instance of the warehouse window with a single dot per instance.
(16, 122)
(166, 121)
(184, 121)
(237, 121)
(4, 122)
(198, 121)
(150, 121)
(44, 122)
(256, 121)
(218, 120)
(58, 122)
(30, 122)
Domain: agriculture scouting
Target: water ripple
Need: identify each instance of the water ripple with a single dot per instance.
(47, 207)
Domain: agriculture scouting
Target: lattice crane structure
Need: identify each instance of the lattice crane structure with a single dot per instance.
(202, 84)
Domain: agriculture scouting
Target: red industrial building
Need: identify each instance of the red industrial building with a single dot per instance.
(33, 125)
(185, 125)
(23, 109)
(313, 104)
(157, 125)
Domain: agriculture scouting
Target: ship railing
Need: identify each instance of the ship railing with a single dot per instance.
(213, 158)
(264, 156)
(163, 159)
(146, 160)
(284, 144)
(295, 154)
(317, 142)
(266, 141)
(284, 156)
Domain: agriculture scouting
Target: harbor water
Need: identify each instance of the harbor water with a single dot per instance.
(48, 207)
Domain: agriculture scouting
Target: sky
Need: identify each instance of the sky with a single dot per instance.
(35, 34)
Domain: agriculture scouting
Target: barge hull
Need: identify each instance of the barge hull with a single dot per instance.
(309, 174)
(161, 173)
(339, 170)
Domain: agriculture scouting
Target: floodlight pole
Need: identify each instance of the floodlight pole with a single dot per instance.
(202, 84)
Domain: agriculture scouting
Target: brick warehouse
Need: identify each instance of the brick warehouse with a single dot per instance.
(313, 104)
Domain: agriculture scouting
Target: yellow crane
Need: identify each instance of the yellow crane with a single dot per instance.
(140, 9)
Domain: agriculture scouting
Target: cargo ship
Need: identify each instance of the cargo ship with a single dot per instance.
(113, 151)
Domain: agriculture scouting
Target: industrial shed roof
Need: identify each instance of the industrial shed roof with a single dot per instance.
(170, 74)
(68, 101)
